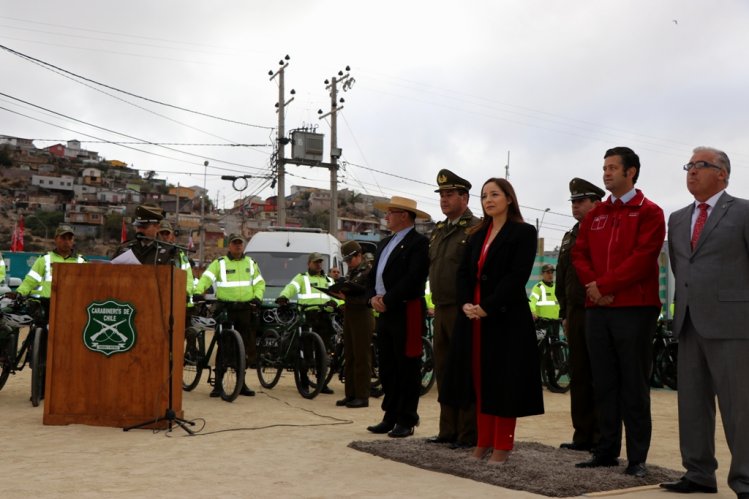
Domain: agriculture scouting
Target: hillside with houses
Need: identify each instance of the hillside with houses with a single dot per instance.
(66, 183)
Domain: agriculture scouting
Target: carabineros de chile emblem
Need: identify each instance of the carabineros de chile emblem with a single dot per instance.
(110, 328)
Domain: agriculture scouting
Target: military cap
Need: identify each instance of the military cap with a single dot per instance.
(447, 180)
(64, 229)
(165, 226)
(350, 249)
(581, 189)
(235, 237)
(547, 267)
(148, 214)
(315, 257)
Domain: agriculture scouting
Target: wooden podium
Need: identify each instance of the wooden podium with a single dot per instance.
(96, 373)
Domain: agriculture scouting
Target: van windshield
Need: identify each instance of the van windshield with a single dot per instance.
(279, 268)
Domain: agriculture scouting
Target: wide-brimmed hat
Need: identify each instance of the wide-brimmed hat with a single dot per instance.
(64, 229)
(148, 214)
(401, 203)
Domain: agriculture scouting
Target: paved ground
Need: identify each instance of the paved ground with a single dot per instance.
(273, 445)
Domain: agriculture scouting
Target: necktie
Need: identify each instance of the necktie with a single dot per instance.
(699, 223)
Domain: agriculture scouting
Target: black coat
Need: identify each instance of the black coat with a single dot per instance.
(510, 372)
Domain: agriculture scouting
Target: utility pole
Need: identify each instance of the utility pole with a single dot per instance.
(507, 167)
(282, 141)
(346, 81)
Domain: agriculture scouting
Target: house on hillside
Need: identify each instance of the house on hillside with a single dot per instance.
(58, 183)
(91, 176)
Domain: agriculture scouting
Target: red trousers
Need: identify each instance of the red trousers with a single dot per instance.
(493, 431)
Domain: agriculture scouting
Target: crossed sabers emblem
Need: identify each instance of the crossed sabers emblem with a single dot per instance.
(109, 331)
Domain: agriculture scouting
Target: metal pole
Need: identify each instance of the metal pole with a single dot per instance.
(201, 254)
(281, 168)
(333, 229)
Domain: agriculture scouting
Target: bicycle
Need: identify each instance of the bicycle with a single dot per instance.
(230, 355)
(29, 313)
(293, 347)
(427, 358)
(337, 361)
(665, 356)
(553, 355)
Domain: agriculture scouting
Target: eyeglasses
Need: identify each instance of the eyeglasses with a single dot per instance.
(701, 165)
(391, 212)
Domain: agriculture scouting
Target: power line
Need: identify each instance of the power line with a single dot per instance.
(154, 101)
(142, 141)
(156, 143)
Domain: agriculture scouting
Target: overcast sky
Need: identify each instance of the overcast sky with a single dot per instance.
(437, 85)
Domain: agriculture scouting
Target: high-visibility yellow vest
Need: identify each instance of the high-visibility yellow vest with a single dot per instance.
(234, 280)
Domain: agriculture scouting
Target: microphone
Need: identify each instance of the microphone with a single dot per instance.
(142, 237)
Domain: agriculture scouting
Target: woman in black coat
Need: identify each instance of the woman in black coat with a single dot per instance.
(491, 286)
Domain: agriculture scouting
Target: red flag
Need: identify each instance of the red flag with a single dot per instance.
(13, 238)
(19, 238)
(123, 232)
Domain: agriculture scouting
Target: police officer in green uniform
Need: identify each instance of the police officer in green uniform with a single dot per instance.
(358, 326)
(38, 281)
(306, 287)
(239, 289)
(571, 296)
(446, 247)
(543, 299)
(144, 247)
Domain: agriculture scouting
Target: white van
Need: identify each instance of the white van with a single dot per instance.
(282, 253)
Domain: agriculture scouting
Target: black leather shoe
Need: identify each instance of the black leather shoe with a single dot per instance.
(576, 446)
(327, 390)
(375, 393)
(686, 486)
(344, 401)
(381, 427)
(440, 440)
(357, 403)
(742, 495)
(598, 462)
(247, 392)
(636, 469)
(216, 392)
(401, 431)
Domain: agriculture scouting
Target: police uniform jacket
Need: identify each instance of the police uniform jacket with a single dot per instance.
(237, 281)
(570, 291)
(446, 247)
(38, 282)
(358, 278)
(147, 252)
(306, 287)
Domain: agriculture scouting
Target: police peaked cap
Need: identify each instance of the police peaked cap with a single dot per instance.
(581, 189)
(447, 180)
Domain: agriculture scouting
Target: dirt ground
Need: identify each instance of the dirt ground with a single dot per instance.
(273, 445)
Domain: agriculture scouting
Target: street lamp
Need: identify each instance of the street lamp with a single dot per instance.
(201, 254)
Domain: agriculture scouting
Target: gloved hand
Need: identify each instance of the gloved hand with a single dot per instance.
(282, 301)
(257, 302)
(331, 304)
(12, 295)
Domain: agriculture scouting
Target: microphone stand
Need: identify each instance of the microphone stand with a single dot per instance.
(169, 415)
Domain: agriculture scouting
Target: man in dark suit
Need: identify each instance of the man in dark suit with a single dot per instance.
(708, 244)
(396, 290)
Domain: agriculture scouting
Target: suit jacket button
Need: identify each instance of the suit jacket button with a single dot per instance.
(484, 278)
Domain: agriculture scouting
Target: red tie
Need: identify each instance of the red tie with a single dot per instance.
(700, 223)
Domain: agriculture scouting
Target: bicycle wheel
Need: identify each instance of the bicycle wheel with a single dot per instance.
(8, 356)
(311, 365)
(38, 365)
(192, 366)
(655, 375)
(427, 366)
(269, 365)
(557, 367)
(232, 364)
(667, 365)
(375, 374)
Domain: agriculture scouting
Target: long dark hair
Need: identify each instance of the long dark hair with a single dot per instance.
(513, 207)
